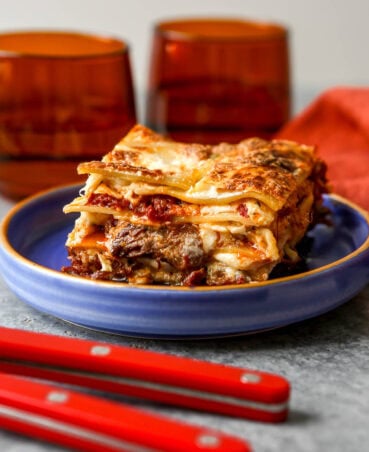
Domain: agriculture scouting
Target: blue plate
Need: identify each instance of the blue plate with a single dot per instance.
(32, 251)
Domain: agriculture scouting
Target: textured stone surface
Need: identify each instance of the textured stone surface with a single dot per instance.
(326, 360)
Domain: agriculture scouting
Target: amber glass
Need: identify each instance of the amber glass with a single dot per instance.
(214, 80)
(64, 98)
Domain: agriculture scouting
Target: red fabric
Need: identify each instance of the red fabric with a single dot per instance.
(338, 124)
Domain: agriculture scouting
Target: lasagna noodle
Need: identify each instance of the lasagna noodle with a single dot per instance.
(126, 202)
(267, 171)
(158, 211)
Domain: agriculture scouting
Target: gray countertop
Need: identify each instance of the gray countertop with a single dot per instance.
(326, 360)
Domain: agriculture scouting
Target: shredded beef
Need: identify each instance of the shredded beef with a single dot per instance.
(179, 245)
(130, 241)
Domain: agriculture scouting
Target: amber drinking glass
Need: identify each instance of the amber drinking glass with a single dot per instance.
(64, 97)
(214, 80)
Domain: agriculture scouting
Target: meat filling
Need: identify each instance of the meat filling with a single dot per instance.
(140, 254)
(178, 245)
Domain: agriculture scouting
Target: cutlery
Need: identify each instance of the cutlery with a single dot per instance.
(145, 374)
(89, 423)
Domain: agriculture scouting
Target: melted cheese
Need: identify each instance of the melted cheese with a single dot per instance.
(254, 168)
(262, 249)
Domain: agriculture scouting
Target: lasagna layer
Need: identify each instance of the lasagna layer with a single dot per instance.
(154, 211)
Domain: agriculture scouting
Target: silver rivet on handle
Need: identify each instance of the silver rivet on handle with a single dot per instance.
(208, 440)
(57, 397)
(250, 378)
(100, 350)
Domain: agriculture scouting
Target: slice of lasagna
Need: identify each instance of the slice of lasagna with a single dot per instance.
(155, 211)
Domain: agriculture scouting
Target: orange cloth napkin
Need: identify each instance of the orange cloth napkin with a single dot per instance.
(337, 122)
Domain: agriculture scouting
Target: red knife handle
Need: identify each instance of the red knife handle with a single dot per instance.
(93, 424)
(156, 376)
(150, 391)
